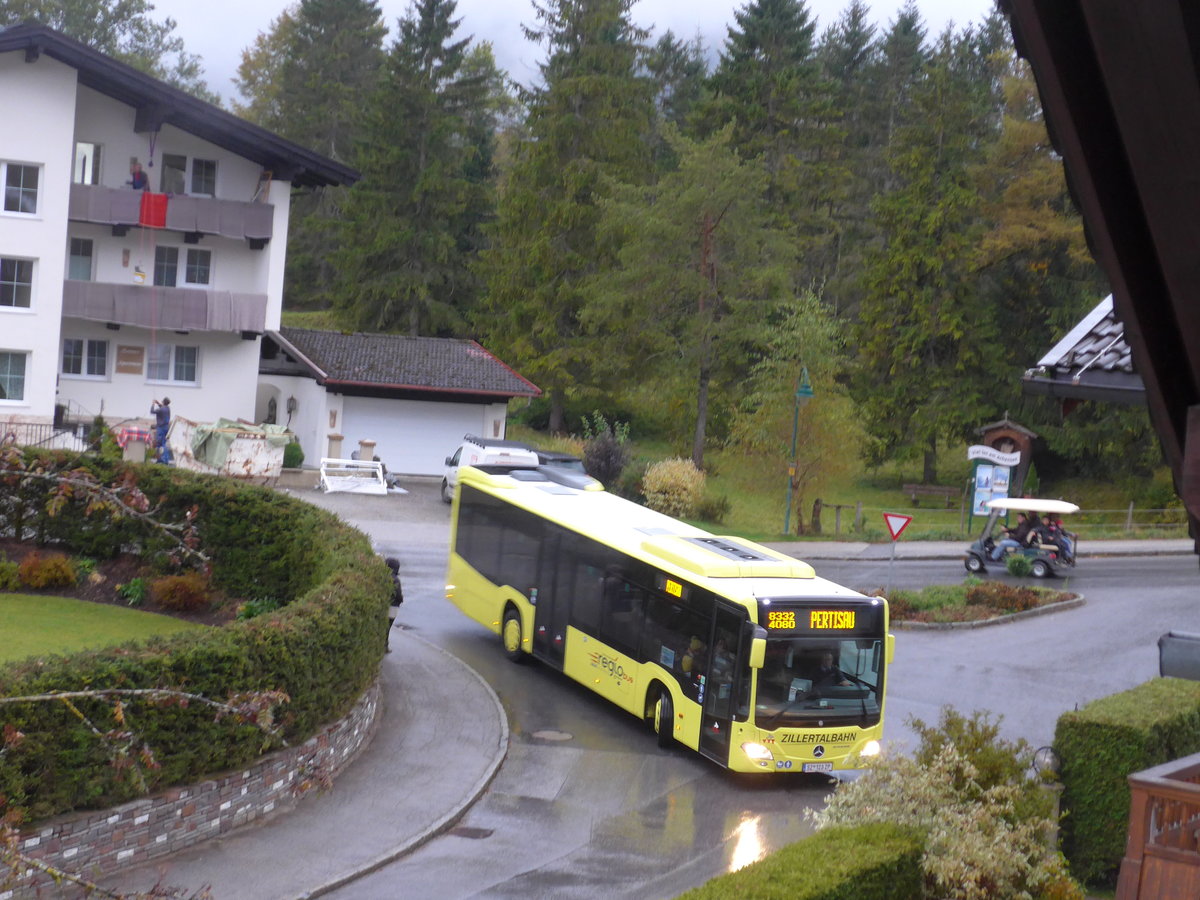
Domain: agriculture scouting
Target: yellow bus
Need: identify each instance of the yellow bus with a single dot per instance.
(721, 644)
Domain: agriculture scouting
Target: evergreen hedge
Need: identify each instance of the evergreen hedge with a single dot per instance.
(1099, 747)
(877, 861)
(322, 647)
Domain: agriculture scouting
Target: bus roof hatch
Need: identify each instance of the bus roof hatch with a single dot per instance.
(725, 557)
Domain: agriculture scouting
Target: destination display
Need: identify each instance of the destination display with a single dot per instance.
(823, 619)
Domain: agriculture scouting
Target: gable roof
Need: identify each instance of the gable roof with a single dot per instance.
(1092, 362)
(160, 104)
(398, 363)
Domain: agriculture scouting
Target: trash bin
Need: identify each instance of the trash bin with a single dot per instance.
(1179, 655)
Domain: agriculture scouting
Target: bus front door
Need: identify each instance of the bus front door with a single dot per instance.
(550, 612)
(719, 700)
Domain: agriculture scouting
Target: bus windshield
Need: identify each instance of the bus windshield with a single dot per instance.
(811, 682)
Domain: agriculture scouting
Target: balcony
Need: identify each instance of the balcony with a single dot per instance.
(122, 208)
(1162, 850)
(177, 309)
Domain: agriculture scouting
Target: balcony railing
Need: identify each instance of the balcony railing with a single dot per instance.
(1162, 850)
(123, 207)
(152, 306)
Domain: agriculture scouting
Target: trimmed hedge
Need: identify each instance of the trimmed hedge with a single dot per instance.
(1104, 743)
(877, 861)
(322, 647)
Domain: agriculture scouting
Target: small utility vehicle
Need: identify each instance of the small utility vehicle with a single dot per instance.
(1044, 558)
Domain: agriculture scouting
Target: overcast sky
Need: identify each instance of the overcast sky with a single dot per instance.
(219, 30)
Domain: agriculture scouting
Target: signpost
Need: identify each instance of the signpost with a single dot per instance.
(992, 478)
(896, 523)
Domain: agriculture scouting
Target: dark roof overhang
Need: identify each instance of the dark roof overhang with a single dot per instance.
(159, 104)
(1121, 93)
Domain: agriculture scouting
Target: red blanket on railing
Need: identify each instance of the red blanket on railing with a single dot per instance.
(154, 210)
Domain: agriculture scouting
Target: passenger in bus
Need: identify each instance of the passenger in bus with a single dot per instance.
(828, 674)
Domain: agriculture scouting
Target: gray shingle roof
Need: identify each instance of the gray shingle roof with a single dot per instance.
(397, 362)
(1092, 362)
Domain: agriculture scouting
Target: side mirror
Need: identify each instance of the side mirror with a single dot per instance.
(758, 652)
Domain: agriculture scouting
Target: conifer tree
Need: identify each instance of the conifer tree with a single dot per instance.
(769, 83)
(588, 121)
(332, 59)
(926, 347)
(400, 265)
(700, 272)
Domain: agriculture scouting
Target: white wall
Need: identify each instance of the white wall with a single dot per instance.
(36, 104)
(225, 386)
(310, 422)
(414, 437)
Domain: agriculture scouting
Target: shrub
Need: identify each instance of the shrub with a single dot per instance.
(859, 862)
(181, 593)
(1003, 597)
(1017, 565)
(258, 606)
(133, 591)
(293, 455)
(713, 509)
(50, 570)
(629, 485)
(10, 578)
(84, 566)
(605, 448)
(674, 487)
(1104, 743)
(984, 837)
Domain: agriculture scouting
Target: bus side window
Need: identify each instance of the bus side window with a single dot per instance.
(587, 596)
(623, 608)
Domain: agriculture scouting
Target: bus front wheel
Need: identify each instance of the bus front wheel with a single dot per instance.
(664, 718)
(510, 634)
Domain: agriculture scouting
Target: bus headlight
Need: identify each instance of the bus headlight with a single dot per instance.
(756, 751)
(870, 748)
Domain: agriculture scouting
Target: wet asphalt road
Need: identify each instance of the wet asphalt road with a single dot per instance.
(586, 804)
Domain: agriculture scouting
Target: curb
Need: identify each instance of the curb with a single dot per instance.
(1061, 606)
(500, 752)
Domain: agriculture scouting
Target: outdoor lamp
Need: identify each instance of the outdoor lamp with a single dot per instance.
(804, 393)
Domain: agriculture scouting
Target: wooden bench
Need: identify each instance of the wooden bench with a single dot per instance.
(917, 491)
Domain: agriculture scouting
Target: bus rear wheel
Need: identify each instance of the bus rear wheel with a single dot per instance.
(664, 718)
(510, 634)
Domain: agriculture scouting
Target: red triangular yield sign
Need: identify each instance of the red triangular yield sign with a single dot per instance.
(896, 523)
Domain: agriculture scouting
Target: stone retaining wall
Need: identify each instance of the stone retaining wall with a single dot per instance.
(100, 842)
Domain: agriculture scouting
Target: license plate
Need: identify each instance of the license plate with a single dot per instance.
(818, 767)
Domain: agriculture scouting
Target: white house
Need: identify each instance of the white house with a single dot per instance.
(412, 398)
(110, 296)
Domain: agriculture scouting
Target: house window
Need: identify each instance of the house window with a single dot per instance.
(20, 187)
(16, 282)
(199, 267)
(204, 177)
(12, 375)
(85, 358)
(166, 266)
(79, 262)
(174, 174)
(87, 163)
(172, 362)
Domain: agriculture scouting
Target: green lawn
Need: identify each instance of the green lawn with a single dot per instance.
(41, 625)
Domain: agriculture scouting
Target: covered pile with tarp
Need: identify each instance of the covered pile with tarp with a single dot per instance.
(228, 447)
